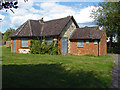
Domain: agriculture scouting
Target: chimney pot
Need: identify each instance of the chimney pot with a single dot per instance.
(41, 21)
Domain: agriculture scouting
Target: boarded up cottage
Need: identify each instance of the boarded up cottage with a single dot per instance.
(71, 39)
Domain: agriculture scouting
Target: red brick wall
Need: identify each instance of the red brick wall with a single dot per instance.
(103, 45)
(18, 44)
(29, 43)
(59, 45)
(90, 48)
(11, 45)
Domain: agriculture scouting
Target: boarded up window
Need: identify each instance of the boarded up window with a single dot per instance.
(24, 42)
(80, 43)
(49, 40)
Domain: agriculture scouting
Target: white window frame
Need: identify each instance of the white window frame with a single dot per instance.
(80, 43)
(87, 42)
(95, 41)
(24, 42)
(49, 40)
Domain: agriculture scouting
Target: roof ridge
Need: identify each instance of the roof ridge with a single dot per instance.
(58, 19)
(87, 27)
(30, 27)
(66, 23)
(32, 20)
(21, 28)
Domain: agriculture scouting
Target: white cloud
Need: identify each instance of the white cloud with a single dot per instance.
(18, 20)
(25, 5)
(4, 24)
(23, 13)
(2, 16)
(83, 15)
(51, 10)
(54, 10)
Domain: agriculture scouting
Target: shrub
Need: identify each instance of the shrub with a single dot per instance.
(116, 49)
(38, 47)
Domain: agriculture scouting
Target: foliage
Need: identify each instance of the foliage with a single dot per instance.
(41, 47)
(108, 17)
(86, 26)
(7, 33)
(55, 71)
(115, 49)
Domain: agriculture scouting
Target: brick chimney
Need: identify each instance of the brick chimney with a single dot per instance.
(41, 21)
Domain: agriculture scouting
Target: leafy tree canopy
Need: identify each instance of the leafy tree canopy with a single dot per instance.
(108, 16)
(7, 33)
(86, 26)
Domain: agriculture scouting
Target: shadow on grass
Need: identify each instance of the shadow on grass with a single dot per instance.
(48, 76)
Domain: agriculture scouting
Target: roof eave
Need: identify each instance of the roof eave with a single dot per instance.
(84, 39)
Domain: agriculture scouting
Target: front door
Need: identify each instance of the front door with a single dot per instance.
(64, 46)
(14, 46)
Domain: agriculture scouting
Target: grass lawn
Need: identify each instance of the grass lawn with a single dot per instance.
(55, 71)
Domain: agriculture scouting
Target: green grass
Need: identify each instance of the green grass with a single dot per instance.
(55, 71)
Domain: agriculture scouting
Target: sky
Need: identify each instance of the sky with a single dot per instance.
(35, 10)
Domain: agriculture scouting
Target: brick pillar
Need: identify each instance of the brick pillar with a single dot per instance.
(11, 45)
(29, 42)
(59, 46)
(18, 44)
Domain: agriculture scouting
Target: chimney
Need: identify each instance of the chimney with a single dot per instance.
(41, 21)
(98, 28)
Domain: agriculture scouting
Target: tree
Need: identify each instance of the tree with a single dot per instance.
(108, 17)
(7, 33)
(86, 26)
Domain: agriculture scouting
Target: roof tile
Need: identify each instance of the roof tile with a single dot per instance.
(35, 28)
(87, 33)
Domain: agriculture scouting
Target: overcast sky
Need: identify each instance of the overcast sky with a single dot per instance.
(48, 10)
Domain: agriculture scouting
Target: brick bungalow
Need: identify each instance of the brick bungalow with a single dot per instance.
(71, 39)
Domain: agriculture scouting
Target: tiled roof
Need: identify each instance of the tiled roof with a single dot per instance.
(35, 28)
(87, 33)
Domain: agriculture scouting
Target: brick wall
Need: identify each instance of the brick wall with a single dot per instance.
(66, 33)
(11, 45)
(18, 44)
(103, 45)
(90, 48)
(59, 45)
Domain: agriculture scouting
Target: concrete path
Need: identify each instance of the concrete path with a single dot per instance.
(115, 83)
